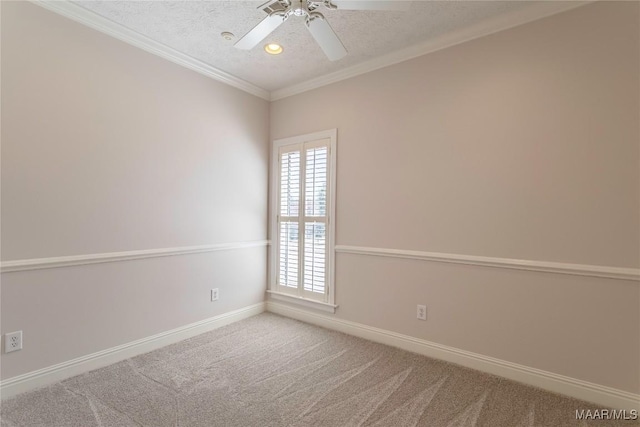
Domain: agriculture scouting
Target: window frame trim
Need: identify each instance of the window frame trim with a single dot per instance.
(274, 210)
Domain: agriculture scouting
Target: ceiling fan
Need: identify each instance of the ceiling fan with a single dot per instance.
(280, 10)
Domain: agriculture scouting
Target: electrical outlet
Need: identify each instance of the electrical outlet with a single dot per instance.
(214, 294)
(13, 342)
(422, 312)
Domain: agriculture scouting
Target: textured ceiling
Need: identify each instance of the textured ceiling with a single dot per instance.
(194, 27)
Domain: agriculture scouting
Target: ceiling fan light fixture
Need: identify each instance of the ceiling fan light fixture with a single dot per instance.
(299, 11)
(273, 48)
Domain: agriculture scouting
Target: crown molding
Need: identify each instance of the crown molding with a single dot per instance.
(536, 11)
(120, 32)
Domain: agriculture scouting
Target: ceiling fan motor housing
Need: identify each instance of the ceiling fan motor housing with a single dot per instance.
(302, 8)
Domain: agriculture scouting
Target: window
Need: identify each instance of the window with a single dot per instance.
(302, 219)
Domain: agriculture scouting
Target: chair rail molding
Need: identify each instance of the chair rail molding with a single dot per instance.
(619, 273)
(67, 261)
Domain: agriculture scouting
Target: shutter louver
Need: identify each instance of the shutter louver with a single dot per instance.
(290, 183)
(314, 257)
(289, 254)
(316, 182)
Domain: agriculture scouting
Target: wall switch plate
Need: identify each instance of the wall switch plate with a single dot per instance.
(13, 341)
(214, 294)
(422, 312)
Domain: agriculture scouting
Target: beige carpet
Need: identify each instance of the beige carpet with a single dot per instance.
(273, 371)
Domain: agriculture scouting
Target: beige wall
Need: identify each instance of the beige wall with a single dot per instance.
(523, 144)
(107, 148)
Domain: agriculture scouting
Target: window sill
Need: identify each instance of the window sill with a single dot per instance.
(309, 303)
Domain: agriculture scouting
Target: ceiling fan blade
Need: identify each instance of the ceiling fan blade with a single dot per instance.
(372, 4)
(259, 32)
(326, 38)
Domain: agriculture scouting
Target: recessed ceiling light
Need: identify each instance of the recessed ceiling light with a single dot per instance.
(227, 35)
(273, 48)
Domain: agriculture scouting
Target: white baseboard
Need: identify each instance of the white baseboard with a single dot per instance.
(602, 395)
(49, 375)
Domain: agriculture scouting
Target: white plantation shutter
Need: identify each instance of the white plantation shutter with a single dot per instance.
(289, 223)
(303, 195)
(315, 249)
